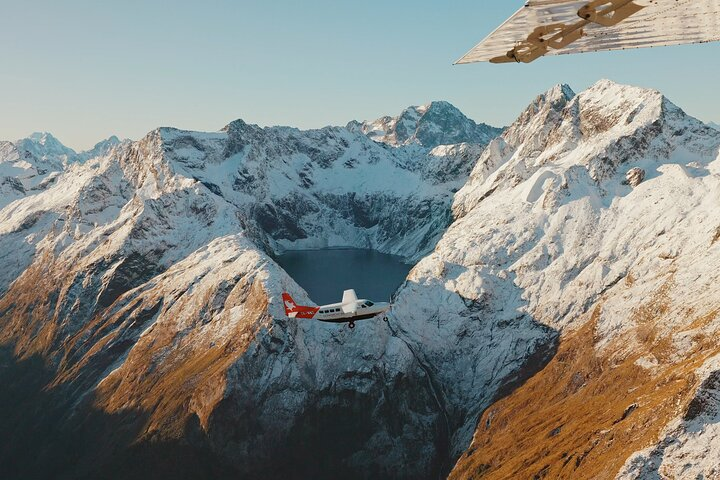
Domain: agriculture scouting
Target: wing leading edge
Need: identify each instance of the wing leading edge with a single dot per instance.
(556, 27)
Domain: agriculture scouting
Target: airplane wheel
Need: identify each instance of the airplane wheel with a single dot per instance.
(351, 325)
(385, 319)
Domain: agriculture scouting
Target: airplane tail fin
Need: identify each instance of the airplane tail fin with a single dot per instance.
(289, 303)
(349, 296)
(293, 310)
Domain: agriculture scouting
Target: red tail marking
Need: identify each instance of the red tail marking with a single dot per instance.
(293, 310)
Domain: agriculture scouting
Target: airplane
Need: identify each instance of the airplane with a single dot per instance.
(557, 27)
(349, 310)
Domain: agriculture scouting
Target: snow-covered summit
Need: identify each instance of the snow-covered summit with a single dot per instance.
(431, 125)
(602, 128)
(45, 148)
(100, 149)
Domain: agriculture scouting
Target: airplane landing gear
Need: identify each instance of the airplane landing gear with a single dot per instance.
(351, 325)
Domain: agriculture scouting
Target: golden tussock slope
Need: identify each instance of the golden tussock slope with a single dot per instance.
(590, 408)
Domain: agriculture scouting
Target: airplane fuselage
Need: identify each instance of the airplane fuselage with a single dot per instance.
(357, 310)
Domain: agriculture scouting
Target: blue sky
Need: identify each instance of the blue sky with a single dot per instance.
(84, 70)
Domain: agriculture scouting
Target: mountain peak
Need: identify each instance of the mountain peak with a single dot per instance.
(239, 125)
(441, 105)
(44, 147)
(110, 141)
(608, 105)
(100, 149)
(42, 137)
(535, 121)
(47, 141)
(609, 86)
(436, 123)
(560, 91)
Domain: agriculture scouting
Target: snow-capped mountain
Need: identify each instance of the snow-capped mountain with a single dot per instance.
(100, 149)
(121, 247)
(45, 148)
(431, 125)
(31, 164)
(626, 274)
(566, 299)
(714, 125)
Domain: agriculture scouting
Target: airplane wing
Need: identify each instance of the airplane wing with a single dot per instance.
(556, 27)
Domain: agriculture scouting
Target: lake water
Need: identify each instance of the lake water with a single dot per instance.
(324, 274)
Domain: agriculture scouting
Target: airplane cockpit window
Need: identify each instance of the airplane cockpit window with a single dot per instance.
(369, 303)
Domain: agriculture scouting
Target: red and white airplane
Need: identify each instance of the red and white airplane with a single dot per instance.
(349, 310)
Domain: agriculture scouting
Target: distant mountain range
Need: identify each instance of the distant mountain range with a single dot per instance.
(560, 322)
(32, 163)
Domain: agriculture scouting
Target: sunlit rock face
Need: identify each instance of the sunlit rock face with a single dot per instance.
(635, 176)
(140, 292)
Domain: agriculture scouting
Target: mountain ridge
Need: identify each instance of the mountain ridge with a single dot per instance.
(144, 279)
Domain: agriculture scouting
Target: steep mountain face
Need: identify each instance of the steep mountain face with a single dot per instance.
(626, 274)
(570, 305)
(431, 125)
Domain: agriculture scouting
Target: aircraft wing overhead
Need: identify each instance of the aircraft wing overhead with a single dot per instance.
(556, 27)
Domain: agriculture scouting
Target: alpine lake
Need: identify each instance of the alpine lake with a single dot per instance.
(326, 273)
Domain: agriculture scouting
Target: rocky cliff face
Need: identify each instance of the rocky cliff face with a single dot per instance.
(569, 310)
